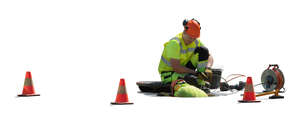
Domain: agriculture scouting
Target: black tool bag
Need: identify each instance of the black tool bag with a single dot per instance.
(216, 78)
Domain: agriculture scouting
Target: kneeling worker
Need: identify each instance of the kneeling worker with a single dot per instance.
(184, 56)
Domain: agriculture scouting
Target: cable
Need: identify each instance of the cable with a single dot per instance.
(257, 84)
(238, 75)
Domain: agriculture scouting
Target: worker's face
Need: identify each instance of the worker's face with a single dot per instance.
(188, 40)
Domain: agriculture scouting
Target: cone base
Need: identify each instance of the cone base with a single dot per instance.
(248, 101)
(28, 95)
(121, 103)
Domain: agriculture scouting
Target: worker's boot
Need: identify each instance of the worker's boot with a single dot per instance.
(205, 87)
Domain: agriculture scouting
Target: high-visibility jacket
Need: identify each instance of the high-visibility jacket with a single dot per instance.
(176, 48)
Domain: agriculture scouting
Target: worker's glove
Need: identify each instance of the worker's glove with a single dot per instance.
(202, 76)
(202, 52)
(206, 75)
(209, 74)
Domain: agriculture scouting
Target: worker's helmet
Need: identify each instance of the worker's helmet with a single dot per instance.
(192, 28)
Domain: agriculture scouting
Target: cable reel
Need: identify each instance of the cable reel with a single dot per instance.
(272, 78)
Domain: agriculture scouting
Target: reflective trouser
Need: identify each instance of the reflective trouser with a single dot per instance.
(169, 76)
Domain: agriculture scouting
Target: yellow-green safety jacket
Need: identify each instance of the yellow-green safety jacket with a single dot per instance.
(176, 48)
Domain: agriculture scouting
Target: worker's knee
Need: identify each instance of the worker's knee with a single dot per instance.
(203, 53)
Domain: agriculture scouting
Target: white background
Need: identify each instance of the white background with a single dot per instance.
(77, 50)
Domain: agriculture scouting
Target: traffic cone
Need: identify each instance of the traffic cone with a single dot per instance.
(122, 97)
(28, 89)
(249, 94)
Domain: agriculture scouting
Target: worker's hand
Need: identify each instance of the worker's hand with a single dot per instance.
(208, 70)
(209, 74)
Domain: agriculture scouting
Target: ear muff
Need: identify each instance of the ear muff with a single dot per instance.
(196, 21)
(185, 21)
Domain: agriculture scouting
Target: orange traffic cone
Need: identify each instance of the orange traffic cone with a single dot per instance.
(249, 94)
(28, 89)
(122, 97)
